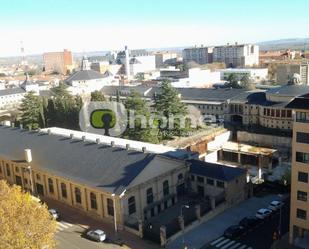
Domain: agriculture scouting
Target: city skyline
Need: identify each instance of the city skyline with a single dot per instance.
(99, 26)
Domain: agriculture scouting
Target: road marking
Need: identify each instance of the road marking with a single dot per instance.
(223, 242)
(235, 246)
(228, 244)
(63, 225)
(242, 247)
(216, 241)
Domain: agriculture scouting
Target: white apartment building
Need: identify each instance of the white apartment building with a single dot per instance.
(237, 55)
(200, 55)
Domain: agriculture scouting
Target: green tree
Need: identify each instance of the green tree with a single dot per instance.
(24, 222)
(97, 96)
(141, 131)
(246, 82)
(169, 105)
(232, 81)
(31, 109)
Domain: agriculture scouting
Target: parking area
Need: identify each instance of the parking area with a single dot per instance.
(213, 229)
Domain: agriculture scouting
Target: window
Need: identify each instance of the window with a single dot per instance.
(301, 214)
(302, 137)
(149, 194)
(302, 117)
(38, 177)
(303, 177)
(277, 113)
(110, 207)
(166, 188)
(289, 113)
(192, 178)
(220, 184)
(301, 195)
(210, 182)
(131, 204)
(272, 112)
(180, 176)
(8, 171)
(50, 185)
(63, 190)
(78, 197)
(16, 169)
(93, 201)
(283, 114)
(200, 179)
(302, 157)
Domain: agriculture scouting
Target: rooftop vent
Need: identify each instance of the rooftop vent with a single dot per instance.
(112, 143)
(84, 138)
(127, 146)
(12, 124)
(21, 126)
(144, 149)
(71, 135)
(98, 140)
(49, 132)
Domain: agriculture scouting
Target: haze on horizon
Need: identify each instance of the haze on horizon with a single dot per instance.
(95, 25)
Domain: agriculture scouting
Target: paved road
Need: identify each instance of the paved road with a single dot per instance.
(260, 237)
(69, 236)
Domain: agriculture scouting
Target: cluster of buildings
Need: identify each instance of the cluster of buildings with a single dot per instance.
(233, 55)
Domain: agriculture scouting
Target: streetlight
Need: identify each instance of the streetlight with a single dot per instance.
(115, 212)
(183, 228)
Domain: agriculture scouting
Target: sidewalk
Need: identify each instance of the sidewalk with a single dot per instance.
(77, 217)
(284, 243)
(214, 228)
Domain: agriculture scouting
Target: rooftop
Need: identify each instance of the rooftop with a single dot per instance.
(214, 170)
(101, 166)
(11, 91)
(84, 75)
(247, 149)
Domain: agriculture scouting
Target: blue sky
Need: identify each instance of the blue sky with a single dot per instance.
(49, 25)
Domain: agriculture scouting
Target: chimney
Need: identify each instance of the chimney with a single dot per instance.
(144, 149)
(28, 155)
(71, 135)
(98, 140)
(84, 138)
(112, 143)
(127, 146)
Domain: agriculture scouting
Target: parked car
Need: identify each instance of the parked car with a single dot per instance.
(249, 222)
(234, 231)
(54, 214)
(275, 205)
(96, 235)
(263, 213)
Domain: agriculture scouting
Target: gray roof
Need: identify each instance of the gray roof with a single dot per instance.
(11, 91)
(99, 166)
(215, 171)
(220, 94)
(289, 90)
(84, 75)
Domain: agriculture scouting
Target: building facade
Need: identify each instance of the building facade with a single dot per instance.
(61, 62)
(238, 55)
(285, 72)
(299, 214)
(201, 55)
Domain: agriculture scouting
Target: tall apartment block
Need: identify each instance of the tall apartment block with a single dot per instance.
(237, 55)
(286, 71)
(60, 62)
(299, 216)
(200, 55)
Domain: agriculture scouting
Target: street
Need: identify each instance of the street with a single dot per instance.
(69, 236)
(260, 237)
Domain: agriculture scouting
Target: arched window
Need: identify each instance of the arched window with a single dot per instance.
(149, 194)
(166, 188)
(63, 190)
(131, 204)
(93, 201)
(78, 197)
(50, 185)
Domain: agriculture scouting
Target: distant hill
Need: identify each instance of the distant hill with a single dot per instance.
(292, 43)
